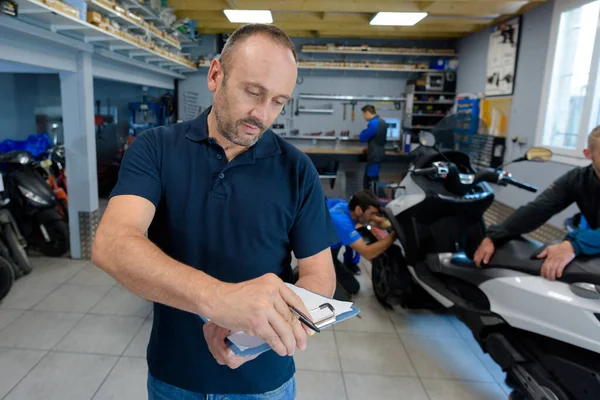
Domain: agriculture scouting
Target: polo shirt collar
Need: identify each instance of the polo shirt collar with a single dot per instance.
(266, 146)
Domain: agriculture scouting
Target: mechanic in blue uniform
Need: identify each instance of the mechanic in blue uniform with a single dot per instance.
(363, 208)
(224, 201)
(376, 136)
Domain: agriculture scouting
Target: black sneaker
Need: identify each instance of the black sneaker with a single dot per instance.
(354, 268)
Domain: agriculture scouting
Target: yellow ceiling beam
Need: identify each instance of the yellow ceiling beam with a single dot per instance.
(329, 26)
(354, 34)
(347, 18)
(476, 8)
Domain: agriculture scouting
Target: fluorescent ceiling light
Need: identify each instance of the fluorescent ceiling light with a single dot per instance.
(249, 16)
(397, 18)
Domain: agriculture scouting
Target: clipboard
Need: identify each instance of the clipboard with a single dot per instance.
(325, 317)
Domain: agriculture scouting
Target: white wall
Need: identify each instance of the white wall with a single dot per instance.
(533, 49)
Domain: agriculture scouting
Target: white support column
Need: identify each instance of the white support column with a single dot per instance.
(77, 93)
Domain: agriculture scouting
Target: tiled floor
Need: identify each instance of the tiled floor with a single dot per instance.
(68, 331)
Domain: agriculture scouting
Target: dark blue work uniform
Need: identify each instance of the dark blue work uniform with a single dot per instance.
(235, 221)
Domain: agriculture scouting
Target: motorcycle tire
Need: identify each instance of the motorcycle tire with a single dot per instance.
(7, 277)
(58, 231)
(17, 251)
(390, 277)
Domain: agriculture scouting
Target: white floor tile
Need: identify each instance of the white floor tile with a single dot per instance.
(8, 316)
(373, 318)
(360, 387)
(424, 323)
(92, 275)
(26, 294)
(321, 354)
(62, 376)
(14, 365)
(444, 358)
(120, 301)
(101, 334)
(127, 381)
(373, 353)
(312, 385)
(458, 390)
(73, 298)
(139, 344)
(54, 270)
(38, 330)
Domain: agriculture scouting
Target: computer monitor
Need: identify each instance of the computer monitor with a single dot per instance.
(393, 131)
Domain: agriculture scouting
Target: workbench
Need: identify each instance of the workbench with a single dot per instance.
(341, 166)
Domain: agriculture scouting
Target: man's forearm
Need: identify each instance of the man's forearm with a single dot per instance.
(140, 266)
(324, 285)
(378, 248)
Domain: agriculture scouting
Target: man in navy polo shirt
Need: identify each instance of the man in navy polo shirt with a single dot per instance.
(224, 201)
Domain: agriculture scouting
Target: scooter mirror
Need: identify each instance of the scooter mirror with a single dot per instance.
(539, 154)
(427, 139)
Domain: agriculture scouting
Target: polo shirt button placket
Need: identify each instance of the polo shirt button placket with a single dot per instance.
(219, 157)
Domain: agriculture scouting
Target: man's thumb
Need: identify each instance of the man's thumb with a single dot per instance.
(543, 254)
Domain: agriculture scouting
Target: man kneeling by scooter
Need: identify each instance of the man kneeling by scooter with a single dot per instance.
(363, 209)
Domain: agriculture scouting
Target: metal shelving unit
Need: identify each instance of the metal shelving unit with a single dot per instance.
(37, 13)
(94, 5)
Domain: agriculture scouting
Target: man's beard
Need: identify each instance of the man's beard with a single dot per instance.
(228, 128)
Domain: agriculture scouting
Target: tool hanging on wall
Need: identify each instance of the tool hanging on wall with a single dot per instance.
(353, 104)
(345, 104)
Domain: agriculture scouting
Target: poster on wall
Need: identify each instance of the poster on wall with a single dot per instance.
(495, 114)
(502, 58)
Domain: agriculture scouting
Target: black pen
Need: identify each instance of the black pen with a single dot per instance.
(304, 319)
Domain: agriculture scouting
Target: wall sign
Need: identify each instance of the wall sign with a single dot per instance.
(502, 58)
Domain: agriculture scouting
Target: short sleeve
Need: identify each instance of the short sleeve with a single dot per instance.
(345, 228)
(313, 230)
(139, 174)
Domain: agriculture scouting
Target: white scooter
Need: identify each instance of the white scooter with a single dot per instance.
(544, 334)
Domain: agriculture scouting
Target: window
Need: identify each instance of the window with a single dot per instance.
(572, 82)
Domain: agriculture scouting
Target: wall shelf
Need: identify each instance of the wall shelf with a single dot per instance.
(123, 20)
(371, 68)
(426, 115)
(434, 102)
(307, 96)
(437, 93)
(37, 13)
(377, 51)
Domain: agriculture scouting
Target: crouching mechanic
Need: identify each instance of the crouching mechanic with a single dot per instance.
(580, 186)
(364, 208)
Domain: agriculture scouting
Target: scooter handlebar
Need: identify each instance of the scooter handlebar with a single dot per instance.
(521, 185)
(424, 171)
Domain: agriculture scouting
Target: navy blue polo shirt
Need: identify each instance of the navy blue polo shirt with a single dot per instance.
(235, 221)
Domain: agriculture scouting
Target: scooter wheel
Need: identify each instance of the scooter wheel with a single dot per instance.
(7, 277)
(58, 231)
(17, 251)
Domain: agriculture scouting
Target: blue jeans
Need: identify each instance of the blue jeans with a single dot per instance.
(158, 390)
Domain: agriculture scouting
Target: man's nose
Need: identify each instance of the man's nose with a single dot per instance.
(260, 112)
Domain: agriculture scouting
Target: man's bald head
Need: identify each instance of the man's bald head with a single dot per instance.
(241, 34)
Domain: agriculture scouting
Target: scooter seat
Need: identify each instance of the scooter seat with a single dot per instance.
(521, 255)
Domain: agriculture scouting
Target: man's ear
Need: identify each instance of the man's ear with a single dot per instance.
(587, 154)
(213, 74)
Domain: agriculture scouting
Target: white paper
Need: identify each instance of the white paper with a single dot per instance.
(311, 301)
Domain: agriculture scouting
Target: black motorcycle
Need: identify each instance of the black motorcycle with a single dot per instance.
(34, 205)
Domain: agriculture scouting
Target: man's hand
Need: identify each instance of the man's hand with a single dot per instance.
(215, 338)
(557, 257)
(381, 222)
(261, 307)
(484, 252)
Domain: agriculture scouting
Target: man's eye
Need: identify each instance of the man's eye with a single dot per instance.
(252, 93)
(279, 103)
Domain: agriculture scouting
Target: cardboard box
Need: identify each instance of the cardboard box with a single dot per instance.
(62, 7)
(119, 10)
(79, 5)
(94, 18)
